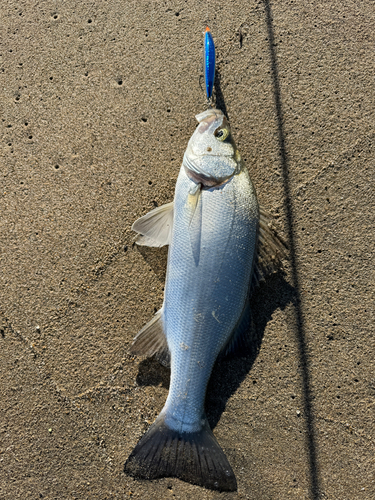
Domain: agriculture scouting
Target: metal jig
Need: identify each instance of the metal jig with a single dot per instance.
(209, 62)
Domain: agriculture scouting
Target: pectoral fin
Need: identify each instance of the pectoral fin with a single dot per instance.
(194, 203)
(155, 228)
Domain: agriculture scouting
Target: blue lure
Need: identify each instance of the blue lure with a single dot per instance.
(209, 62)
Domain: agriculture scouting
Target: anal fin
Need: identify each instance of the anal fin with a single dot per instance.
(151, 340)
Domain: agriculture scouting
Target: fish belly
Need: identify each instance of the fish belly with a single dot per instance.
(210, 263)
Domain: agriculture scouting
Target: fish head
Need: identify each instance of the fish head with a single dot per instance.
(211, 157)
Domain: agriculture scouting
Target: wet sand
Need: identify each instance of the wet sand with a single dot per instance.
(97, 104)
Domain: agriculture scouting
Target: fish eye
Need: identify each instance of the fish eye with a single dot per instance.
(221, 134)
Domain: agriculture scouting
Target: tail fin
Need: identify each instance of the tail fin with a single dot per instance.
(195, 457)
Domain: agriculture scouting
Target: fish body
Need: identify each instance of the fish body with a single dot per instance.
(212, 230)
(208, 275)
(209, 62)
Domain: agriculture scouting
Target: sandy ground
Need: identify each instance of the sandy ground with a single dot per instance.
(97, 105)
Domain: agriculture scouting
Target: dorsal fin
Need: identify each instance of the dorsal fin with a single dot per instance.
(271, 250)
(155, 228)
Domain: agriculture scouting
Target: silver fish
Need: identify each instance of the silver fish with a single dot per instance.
(212, 229)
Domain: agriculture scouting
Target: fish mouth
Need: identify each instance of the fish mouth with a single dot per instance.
(210, 114)
(199, 177)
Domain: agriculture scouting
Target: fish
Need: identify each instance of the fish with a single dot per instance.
(209, 62)
(220, 246)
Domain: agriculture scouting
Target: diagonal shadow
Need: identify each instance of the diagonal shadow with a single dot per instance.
(299, 317)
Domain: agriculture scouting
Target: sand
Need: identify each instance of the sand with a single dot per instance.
(97, 104)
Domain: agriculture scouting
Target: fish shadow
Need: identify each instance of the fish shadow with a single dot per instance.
(151, 372)
(156, 258)
(219, 98)
(228, 373)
